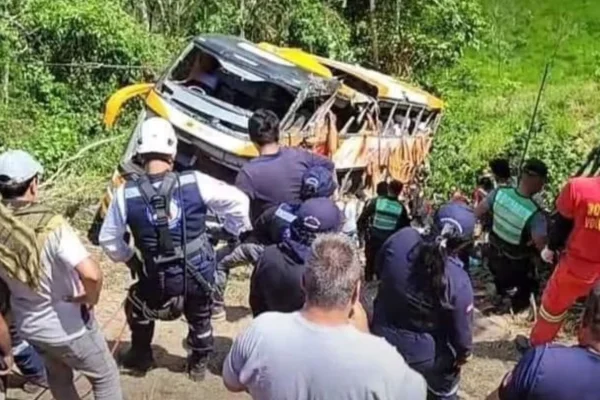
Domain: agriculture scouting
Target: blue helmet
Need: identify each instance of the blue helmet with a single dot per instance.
(455, 219)
(315, 216)
(317, 182)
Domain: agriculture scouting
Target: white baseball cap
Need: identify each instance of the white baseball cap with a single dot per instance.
(18, 166)
(157, 136)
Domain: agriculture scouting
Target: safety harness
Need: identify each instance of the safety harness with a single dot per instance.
(158, 201)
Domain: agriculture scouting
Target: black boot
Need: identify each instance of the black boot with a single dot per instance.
(196, 367)
(137, 359)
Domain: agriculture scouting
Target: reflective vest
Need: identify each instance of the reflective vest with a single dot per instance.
(186, 200)
(511, 212)
(24, 228)
(387, 212)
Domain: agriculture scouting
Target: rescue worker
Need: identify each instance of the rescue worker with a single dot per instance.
(518, 228)
(388, 216)
(556, 372)
(166, 213)
(276, 284)
(575, 233)
(424, 307)
(317, 182)
(275, 176)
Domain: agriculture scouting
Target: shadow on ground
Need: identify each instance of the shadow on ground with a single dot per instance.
(235, 313)
(503, 350)
(163, 359)
(222, 346)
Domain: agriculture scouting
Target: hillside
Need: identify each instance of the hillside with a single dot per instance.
(492, 91)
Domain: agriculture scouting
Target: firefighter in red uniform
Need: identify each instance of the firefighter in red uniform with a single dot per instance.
(576, 233)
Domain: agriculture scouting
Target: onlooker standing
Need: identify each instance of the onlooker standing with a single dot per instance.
(54, 284)
(349, 206)
(500, 167)
(318, 353)
(25, 357)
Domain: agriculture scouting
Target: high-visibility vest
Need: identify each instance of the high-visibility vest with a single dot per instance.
(512, 212)
(23, 232)
(387, 212)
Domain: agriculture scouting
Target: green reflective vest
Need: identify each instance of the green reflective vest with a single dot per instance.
(387, 212)
(511, 213)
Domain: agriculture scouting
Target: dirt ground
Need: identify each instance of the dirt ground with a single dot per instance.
(494, 353)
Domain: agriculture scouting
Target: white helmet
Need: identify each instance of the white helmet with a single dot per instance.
(157, 136)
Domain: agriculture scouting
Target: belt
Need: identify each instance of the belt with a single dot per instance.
(192, 249)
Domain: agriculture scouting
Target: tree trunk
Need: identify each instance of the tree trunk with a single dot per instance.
(399, 35)
(143, 8)
(242, 20)
(374, 32)
(6, 80)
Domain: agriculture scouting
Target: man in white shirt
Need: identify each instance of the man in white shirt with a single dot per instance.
(166, 214)
(318, 352)
(54, 285)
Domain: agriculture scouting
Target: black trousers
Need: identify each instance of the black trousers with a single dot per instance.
(510, 274)
(196, 309)
(372, 246)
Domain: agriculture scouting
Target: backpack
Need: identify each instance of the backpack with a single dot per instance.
(23, 232)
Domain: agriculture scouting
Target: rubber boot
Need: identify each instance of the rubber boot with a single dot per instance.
(139, 357)
(196, 367)
(137, 360)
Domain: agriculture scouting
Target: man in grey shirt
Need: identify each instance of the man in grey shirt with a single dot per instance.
(323, 351)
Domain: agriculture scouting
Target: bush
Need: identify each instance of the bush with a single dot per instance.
(54, 108)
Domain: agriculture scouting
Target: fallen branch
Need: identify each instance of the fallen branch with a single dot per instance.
(63, 165)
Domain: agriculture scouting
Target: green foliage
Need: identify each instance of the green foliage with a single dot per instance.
(61, 59)
(484, 57)
(310, 24)
(414, 36)
(491, 93)
(52, 104)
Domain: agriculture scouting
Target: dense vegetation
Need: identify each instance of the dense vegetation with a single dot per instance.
(61, 59)
(491, 92)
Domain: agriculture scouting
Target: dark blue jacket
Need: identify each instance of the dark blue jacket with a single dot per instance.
(276, 283)
(186, 201)
(274, 179)
(554, 372)
(407, 314)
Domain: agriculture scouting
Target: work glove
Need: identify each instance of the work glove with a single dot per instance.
(548, 255)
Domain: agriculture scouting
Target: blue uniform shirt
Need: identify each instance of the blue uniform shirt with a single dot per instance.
(404, 307)
(274, 179)
(554, 372)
